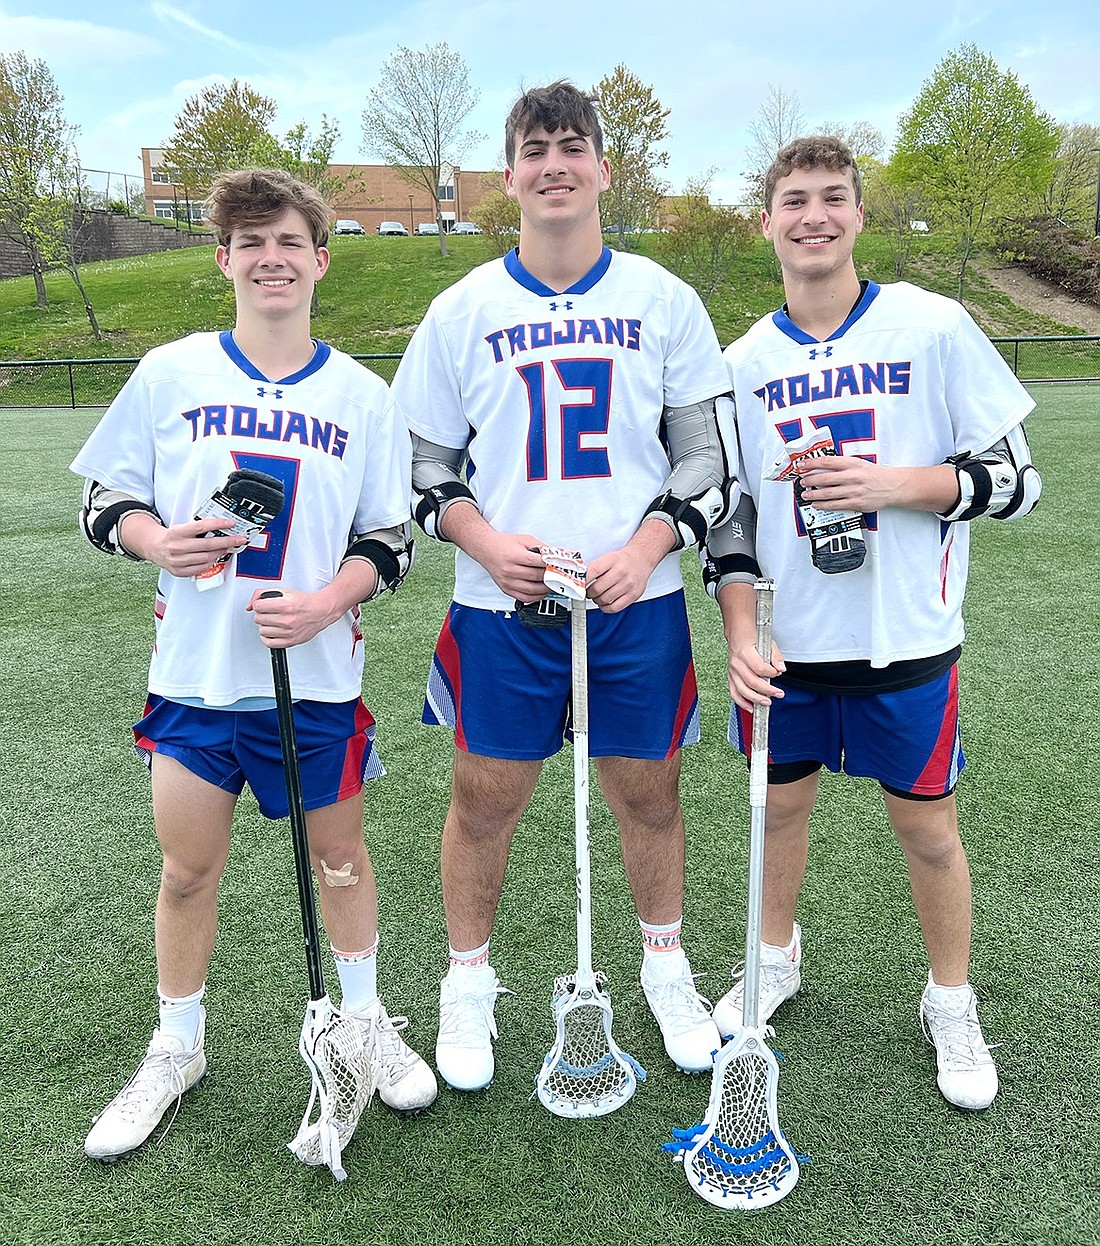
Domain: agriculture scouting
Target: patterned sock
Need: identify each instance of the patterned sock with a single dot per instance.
(478, 958)
(358, 973)
(179, 1017)
(659, 941)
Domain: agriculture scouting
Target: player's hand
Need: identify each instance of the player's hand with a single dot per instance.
(290, 618)
(514, 562)
(750, 676)
(618, 578)
(184, 550)
(849, 483)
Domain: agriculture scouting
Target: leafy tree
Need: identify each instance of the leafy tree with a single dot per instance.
(700, 239)
(414, 117)
(35, 140)
(778, 120)
(891, 208)
(308, 156)
(1072, 193)
(978, 146)
(633, 124)
(864, 139)
(498, 217)
(224, 126)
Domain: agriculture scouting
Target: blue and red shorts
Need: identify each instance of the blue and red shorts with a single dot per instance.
(229, 748)
(504, 687)
(908, 740)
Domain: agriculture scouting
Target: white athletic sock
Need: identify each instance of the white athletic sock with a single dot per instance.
(358, 974)
(477, 958)
(179, 1017)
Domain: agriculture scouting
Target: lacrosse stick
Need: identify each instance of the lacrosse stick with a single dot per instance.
(585, 1074)
(336, 1047)
(738, 1157)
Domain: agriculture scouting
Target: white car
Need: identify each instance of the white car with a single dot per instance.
(392, 229)
(465, 227)
(428, 227)
(348, 227)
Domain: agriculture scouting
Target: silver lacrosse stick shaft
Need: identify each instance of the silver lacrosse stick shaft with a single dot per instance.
(758, 797)
(579, 628)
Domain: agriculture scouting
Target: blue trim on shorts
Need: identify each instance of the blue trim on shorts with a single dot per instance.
(228, 748)
(504, 687)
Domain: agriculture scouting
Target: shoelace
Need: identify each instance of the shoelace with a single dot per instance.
(681, 1004)
(960, 1036)
(146, 1080)
(771, 978)
(469, 1014)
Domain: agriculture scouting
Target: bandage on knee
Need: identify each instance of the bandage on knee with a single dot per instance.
(343, 877)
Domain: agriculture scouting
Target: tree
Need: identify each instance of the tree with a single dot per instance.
(35, 140)
(1071, 195)
(977, 145)
(863, 139)
(633, 123)
(700, 239)
(497, 215)
(777, 121)
(414, 117)
(891, 208)
(225, 126)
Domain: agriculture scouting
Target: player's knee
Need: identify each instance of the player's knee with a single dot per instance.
(184, 880)
(346, 875)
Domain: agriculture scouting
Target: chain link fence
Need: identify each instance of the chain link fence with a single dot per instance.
(94, 382)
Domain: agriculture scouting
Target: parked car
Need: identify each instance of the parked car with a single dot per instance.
(348, 227)
(465, 227)
(393, 229)
(428, 227)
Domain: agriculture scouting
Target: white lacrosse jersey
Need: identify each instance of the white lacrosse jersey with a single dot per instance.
(907, 380)
(558, 400)
(195, 410)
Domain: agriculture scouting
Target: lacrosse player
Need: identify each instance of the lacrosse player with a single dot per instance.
(873, 423)
(547, 393)
(262, 400)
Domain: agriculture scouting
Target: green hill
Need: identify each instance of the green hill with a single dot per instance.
(377, 289)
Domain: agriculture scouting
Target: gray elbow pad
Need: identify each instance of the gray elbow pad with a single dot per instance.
(696, 495)
(729, 556)
(102, 510)
(437, 484)
(390, 551)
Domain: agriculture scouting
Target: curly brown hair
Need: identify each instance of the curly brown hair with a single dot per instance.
(258, 196)
(817, 151)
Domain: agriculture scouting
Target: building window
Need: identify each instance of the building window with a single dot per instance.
(447, 194)
(161, 176)
(164, 211)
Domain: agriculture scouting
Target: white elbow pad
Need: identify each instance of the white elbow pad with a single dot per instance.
(1000, 482)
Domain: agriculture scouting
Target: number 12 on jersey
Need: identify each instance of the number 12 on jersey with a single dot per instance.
(576, 420)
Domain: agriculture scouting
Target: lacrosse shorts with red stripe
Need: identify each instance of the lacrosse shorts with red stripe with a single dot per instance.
(504, 687)
(229, 748)
(908, 740)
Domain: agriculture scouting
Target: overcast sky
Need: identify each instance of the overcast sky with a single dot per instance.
(125, 67)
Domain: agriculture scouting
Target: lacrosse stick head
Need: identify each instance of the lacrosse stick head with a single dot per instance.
(585, 1074)
(738, 1157)
(339, 1050)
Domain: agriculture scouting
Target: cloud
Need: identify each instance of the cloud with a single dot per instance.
(64, 44)
(172, 17)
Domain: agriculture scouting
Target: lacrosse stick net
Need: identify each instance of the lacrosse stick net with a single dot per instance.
(739, 1157)
(340, 1049)
(585, 1073)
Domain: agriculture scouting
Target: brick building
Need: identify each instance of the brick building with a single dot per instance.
(375, 193)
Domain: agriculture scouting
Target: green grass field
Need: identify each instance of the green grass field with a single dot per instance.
(891, 1161)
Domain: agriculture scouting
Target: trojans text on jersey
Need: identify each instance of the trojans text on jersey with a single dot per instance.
(274, 424)
(849, 379)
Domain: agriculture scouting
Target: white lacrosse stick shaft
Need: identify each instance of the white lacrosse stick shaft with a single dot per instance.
(586, 981)
(758, 797)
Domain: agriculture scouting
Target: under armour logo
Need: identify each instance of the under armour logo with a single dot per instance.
(823, 353)
(567, 306)
(262, 393)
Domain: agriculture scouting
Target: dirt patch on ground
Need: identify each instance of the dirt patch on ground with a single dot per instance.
(1043, 297)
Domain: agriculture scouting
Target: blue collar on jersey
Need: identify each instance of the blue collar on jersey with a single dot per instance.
(321, 351)
(786, 325)
(518, 273)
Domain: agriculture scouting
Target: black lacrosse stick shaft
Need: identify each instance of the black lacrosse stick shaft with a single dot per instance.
(284, 706)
